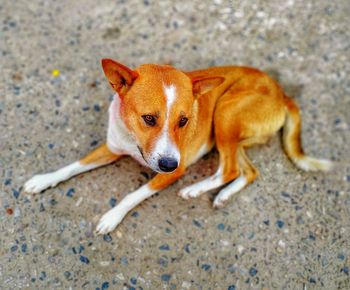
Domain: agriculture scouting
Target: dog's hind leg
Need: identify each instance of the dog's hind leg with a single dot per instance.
(97, 158)
(197, 189)
(227, 171)
(248, 174)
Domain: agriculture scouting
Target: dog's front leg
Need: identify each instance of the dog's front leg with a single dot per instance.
(113, 217)
(99, 157)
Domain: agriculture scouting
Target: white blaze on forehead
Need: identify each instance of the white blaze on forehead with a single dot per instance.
(164, 147)
(170, 94)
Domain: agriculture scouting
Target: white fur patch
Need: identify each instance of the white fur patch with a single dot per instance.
(41, 182)
(203, 186)
(237, 185)
(113, 217)
(170, 93)
(119, 139)
(312, 164)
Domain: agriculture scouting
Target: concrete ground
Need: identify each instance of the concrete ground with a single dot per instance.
(288, 230)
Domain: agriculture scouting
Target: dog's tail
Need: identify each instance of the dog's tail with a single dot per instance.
(292, 141)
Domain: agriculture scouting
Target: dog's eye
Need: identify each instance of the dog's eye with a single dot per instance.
(183, 122)
(149, 120)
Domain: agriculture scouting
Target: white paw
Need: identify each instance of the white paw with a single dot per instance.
(219, 202)
(40, 182)
(189, 192)
(109, 222)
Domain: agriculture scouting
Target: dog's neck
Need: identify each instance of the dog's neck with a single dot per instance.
(119, 138)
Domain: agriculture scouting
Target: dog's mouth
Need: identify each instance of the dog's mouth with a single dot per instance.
(158, 169)
(146, 163)
(141, 152)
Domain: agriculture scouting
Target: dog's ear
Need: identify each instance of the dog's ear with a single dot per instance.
(202, 85)
(119, 76)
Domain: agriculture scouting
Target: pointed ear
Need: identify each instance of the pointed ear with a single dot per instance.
(201, 86)
(119, 76)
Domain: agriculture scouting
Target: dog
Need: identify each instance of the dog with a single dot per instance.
(167, 119)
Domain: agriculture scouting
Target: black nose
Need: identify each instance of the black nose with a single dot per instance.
(167, 164)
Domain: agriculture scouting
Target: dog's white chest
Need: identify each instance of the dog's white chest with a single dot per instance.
(119, 139)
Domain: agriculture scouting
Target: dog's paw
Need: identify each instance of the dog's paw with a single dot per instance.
(108, 222)
(189, 192)
(39, 183)
(219, 202)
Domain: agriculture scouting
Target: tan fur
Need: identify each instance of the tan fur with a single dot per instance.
(161, 181)
(101, 155)
(232, 107)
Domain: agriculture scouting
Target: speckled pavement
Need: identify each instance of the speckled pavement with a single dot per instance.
(288, 230)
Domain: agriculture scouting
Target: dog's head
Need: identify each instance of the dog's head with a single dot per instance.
(157, 107)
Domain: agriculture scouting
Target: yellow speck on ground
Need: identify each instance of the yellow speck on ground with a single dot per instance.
(55, 73)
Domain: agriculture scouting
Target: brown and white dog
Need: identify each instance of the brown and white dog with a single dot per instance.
(167, 119)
